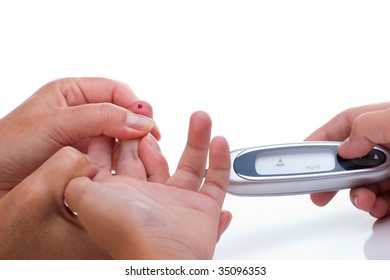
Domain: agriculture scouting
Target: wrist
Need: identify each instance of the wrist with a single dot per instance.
(156, 250)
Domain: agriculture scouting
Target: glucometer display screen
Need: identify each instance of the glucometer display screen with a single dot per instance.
(285, 161)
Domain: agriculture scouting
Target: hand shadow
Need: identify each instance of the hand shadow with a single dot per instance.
(377, 247)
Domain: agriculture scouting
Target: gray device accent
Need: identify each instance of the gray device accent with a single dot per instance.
(305, 167)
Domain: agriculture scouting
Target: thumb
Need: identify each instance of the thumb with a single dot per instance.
(71, 124)
(95, 207)
(224, 222)
(44, 188)
(355, 147)
(78, 193)
(368, 129)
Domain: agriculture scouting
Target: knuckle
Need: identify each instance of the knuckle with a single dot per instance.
(107, 111)
(347, 117)
(362, 123)
(359, 122)
(70, 156)
(37, 189)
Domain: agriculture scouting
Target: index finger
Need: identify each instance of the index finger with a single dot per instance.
(78, 91)
(191, 168)
(339, 128)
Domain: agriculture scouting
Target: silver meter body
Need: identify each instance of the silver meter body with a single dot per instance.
(305, 167)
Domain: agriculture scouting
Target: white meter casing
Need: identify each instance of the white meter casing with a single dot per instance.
(305, 167)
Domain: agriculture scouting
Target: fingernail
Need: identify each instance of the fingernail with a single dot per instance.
(153, 142)
(343, 147)
(343, 144)
(157, 129)
(139, 122)
(229, 221)
(356, 202)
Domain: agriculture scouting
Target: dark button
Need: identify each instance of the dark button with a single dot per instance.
(373, 159)
(363, 161)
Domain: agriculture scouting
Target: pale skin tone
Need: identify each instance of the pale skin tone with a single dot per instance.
(359, 129)
(35, 224)
(148, 215)
(71, 112)
(61, 113)
(144, 213)
(37, 171)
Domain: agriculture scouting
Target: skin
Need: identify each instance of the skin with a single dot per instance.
(62, 113)
(149, 214)
(359, 129)
(37, 161)
(34, 223)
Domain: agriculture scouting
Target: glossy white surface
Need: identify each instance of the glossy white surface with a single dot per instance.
(292, 228)
(267, 72)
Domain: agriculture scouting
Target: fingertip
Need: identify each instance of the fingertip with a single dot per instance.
(353, 148)
(156, 132)
(322, 199)
(199, 131)
(380, 208)
(202, 114)
(143, 108)
(201, 117)
(363, 199)
(220, 145)
(91, 120)
(220, 154)
(343, 149)
(224, 222)
(227, 216)
(156, 166)
(221, 141)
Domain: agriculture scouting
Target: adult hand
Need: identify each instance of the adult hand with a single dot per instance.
(35, 224)
(36, 205)
(360, 129)
(144, 213)
(65, 112)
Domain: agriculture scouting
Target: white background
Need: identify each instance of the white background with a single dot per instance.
(266, 71)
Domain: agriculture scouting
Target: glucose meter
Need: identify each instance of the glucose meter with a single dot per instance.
(306, 167)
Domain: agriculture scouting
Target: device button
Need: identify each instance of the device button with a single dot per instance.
(375, 158)
(360, 161)
(372, 159)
